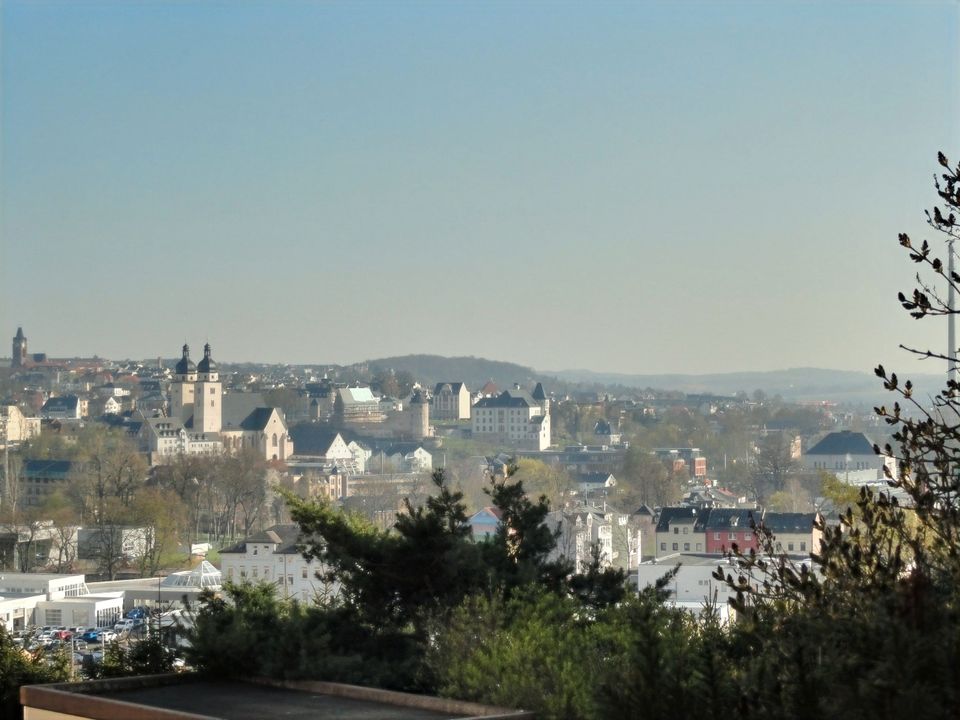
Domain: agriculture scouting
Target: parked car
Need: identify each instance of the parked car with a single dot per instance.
(138, 613)
(91, 636)
(125, 625)
(108, 636)
(62, 634)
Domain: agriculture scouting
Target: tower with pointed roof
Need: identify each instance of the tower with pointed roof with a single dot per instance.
(182, 388)
(208, 407)
(541, 397)
(19, 355)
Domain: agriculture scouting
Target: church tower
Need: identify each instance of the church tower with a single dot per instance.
(19, 355)
(181, 389)
(208, 409)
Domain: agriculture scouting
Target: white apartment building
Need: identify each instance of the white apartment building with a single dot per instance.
(15, 427)
(47, 599)
(272, 556)
(451, 401)
(516, 417)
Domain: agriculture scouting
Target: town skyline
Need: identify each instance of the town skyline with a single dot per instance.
(633, 189)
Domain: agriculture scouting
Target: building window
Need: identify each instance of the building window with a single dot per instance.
(229, 573)
(243, 573)
(290, 579)
(803, 546)
(674, 546)
(685, 530)
(699, 547)
(212, 391)
(686, 547)
(676, 531)
(716, 536)
(732, 536)
(254, 549)
(789, 547)
(256, 573)
(663, 546)
(303, 572)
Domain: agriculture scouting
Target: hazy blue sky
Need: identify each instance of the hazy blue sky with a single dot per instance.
(642, 187)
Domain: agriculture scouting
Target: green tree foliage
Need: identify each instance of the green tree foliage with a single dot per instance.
(645, 480)
(875, 633)
(394, 578)
(18, 667)
(774, 464)
(398, 590)
(541, 651)
(148, 656)
(520, 549)
(539, 478)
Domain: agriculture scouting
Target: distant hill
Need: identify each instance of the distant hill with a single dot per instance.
(474, 371)
(842, 386)
(794, 384)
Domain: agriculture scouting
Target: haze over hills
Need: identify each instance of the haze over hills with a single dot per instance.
(807, 384)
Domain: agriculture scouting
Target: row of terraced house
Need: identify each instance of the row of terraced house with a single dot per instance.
(718, 530)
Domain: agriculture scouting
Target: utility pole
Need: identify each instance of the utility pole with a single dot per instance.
(951, 318)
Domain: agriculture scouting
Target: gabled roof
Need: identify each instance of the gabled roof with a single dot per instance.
(48, 468)
(594, 478)
(402, 448)
(727, 519)
(670, 515)
(62, 402)
(283, 537)
(490, 388)
(844, 442)
(777, 522)
(508, 399)
(313, 438)
(356, 395)
(454, 387)
(489, 510)
(258, 419)
(237, 407)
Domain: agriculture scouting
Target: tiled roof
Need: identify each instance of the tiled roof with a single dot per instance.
(237, 407)
(844, 442)
(670, 515)
(313, 438)
(726, 519)
(258, 419)
(777, 522)
(454, 387)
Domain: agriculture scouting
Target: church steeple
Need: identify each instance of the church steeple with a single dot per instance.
(19, 355)
(208, 412)
(207, 366)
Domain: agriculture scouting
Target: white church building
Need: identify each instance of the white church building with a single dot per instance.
(202, 419)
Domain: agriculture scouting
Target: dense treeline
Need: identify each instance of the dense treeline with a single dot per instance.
(425, 609)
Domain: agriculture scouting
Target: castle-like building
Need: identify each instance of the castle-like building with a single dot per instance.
(202, 419)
